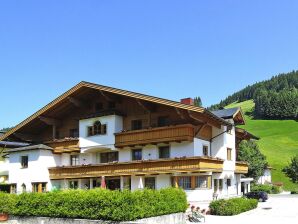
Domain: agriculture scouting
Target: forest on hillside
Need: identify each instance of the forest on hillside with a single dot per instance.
(276, 98)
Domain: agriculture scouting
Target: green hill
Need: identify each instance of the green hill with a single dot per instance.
(279, 140)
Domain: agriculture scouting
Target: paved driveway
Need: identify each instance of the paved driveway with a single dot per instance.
(278, 209)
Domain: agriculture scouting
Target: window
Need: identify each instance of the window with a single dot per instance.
(163, 121)
(164, 152)
(220, 184)
(74, 160)
(127, 183)
(228, 182)
(73, 184)
(108, 157)
(97, 129)
(215, 182)
(137, 154)
(150, 182)
(98, 107)
(39, 187)
(112, 105)
(73, 133)
(24, 189)
(24, 162)
(203, 182)
(205, 150)
(136, 124)
(184, 182)
(229, 154)
(13, 188)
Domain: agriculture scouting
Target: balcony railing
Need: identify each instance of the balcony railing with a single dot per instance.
(64, 145)
(241, 167)
(143, 167)
(154, 135)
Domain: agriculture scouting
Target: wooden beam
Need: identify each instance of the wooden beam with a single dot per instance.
(204, 120)
(108, 98)
(26, 137)
(50, 121)
(76, 102)
(200, 129)
(179, 113)
(143, 105)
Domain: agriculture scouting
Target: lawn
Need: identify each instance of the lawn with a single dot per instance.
(279, 141)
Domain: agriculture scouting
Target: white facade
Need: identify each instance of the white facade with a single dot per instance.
(40, 160)
(4, 171)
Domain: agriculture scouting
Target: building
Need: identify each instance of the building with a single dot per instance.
(131, 141)
(4, 145)
(266, 178)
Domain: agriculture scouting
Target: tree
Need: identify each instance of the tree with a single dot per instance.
(291, 170)
(2, 154)
(198, 101)
(249, 152)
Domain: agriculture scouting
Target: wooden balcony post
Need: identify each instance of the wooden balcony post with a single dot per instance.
(193, 182)
(176, 182)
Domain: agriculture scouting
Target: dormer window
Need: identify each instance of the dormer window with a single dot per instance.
(97, 129)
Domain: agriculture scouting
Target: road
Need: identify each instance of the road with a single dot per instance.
(278, 209)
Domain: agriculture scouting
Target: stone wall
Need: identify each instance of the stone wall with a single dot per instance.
(177, 218)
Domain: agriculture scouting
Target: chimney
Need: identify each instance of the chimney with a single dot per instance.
(188, 101)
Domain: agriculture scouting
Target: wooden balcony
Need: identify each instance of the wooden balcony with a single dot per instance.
(144, 167)
(155, 135)
(241, 167)
(66, 145)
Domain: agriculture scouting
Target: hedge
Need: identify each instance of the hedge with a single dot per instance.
(232, 206)
(98, 204)
(270, 189)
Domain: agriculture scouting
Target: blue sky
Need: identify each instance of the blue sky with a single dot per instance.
(172, 49)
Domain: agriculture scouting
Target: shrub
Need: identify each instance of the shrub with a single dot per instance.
(232, 206)
(270, 189)
(6, 202)
(100, 204)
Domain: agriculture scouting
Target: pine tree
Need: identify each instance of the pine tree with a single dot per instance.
(198, 101)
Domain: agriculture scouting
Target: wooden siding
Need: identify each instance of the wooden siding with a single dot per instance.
(154, 135)
(64, 146)
(241, 167)
(162, 166)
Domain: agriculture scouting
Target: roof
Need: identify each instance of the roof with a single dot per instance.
(246, 134)
(139, 96)
(231, 113)
(31, 147)
(12, 144)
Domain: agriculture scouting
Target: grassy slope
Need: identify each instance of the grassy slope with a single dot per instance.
(279, 141)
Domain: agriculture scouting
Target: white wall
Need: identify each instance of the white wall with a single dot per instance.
(181, 149)
(198, 146)
(220, 144)
(163, 181)
(38, 163)
(114, 124)
(4, 167)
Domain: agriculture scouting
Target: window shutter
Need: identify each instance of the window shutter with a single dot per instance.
(209, 182)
